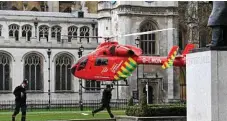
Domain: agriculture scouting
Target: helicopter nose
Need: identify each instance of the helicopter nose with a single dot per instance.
(73, 69)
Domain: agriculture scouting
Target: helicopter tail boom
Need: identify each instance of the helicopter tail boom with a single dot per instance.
(155, 60)
(170, 60)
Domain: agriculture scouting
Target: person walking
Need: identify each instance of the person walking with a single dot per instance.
(106, 97)
(20, 100)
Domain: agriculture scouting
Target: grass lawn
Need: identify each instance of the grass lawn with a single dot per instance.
(58, 115)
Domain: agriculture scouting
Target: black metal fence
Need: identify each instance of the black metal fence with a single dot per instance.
(63, 105)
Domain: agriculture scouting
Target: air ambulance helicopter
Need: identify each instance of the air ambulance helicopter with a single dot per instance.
(111, 61)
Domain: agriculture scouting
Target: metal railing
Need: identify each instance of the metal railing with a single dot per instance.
(63, 105)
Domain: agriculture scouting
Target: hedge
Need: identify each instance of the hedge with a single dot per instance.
(157, 110)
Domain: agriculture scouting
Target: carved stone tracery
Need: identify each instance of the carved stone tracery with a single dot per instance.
(147, 10)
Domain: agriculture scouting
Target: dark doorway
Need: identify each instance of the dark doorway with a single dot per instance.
(150, 94)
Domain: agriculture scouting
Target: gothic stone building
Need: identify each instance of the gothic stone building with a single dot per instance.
(27, 32)
(125, 17)
(29, 29)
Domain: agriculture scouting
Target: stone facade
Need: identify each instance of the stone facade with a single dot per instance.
(25, 38)
(121, 17)
(125, 17)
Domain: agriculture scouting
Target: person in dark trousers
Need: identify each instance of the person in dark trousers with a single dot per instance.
(218, 23)
(106, 97)
(20, 100)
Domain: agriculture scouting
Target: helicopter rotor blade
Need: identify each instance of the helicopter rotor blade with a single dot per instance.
(116, 36)
(147, 32)
(104, 37)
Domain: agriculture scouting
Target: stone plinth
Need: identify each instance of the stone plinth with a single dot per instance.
(206, 75)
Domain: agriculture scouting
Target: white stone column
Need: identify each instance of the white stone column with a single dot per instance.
(90, 34)
(5, 31)
(170, 39)
(49, 36)
(78, 33)
(55, 5)
(20, 32)
(50, 6)
(64, 31)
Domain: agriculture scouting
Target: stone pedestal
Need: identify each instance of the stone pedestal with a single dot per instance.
(206, 75)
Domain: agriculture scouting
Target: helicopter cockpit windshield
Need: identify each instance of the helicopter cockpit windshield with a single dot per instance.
(83, 63)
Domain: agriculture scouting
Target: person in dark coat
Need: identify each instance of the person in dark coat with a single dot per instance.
(20, 100)
(218, 22)
(106, 97)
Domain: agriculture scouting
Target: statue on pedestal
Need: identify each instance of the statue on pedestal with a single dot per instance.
(218, 22)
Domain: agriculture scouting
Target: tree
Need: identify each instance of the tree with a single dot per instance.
(193, 18)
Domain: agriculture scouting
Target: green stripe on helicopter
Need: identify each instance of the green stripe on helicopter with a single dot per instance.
(126, 71)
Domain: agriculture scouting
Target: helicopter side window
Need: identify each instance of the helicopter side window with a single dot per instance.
(82, 64)
(112, 50)
(101, 62)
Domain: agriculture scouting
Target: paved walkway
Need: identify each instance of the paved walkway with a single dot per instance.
(86, 120)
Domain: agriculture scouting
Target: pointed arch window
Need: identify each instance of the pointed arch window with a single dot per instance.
(63, 77)
(14, 31)
(5, 63)
(33, 66)
(27, 32)
(56, 33)
(43, 32)
(84, 33)
(148, 41)
(72, 33)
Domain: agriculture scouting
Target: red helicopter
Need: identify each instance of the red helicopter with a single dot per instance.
(112, 61)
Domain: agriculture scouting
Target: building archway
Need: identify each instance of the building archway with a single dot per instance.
(150, 94)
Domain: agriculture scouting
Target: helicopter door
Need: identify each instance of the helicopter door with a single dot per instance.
(101, 65)
(101, 62)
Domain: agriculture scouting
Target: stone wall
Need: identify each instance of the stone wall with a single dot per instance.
(125, 17)
(17, 75)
